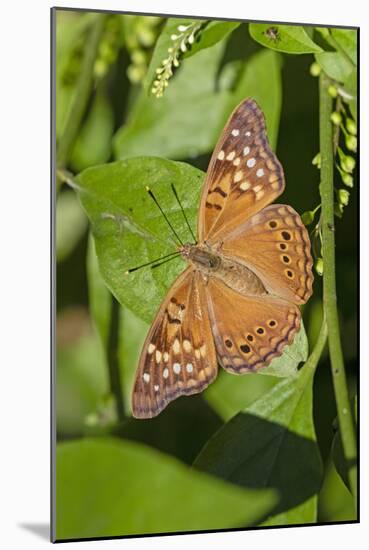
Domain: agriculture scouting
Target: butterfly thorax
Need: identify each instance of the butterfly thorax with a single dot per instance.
(233, 273)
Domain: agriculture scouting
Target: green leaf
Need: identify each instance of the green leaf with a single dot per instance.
(93, 144)
(129, 230)
(211, 34)
(337, 450)
(272, 444)
(98, 294)
(347, 40)
(71, 224)
(335, 501)
(254, 81)
(132, 334)
(186, 121)
(335, 65)
(230, 394)
(110, 487)
(81, 375)
(70, 30)
(283, 38)
(350, 86)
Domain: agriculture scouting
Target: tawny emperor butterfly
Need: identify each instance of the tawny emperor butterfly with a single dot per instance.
(236, 303)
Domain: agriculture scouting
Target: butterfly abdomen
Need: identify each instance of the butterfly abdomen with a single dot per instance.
(234, 274)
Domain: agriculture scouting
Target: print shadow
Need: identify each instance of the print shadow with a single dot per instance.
(254, 453)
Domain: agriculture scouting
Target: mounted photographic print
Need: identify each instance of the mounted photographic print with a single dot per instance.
(205, 357)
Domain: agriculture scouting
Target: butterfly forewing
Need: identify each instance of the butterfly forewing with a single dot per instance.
(244, 175)
(249, 331)
(275, 245)
(178, 357)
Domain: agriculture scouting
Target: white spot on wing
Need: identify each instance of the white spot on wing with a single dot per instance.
(156, 387)
(189, 367)
(235, 132)
(151, 348)
(221, 155)
(177, 368)
(165, 373)
(176, 346)
(158, 356)
(238, 176)
(146, 377)
(187, 345)
(246, 151)
(259, 172)
(248, 134)
(231, 155)
(251, 162)
(245, 185)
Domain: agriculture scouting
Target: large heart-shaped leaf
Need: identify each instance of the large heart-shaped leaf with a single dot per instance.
(111, 487)
(272, 443)
(129, 230)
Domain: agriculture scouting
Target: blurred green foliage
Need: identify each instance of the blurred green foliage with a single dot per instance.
(110, 474)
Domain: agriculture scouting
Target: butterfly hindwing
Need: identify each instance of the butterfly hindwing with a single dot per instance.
(244, 175)
(178, 357)
(249, 331)
(275, 245)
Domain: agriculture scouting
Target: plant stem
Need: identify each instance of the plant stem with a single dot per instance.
(82, 93)
(315, 355)
(345, 420)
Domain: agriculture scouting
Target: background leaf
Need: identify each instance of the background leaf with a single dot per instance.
(71, 224)
(81, 375)
(93, 144)
(335, 65)
(212, 34)
(254, 81)
(102, 483)
(289, 39)
(182, 123)
(272, 443)
(99, 295)
(347, 40)
(132, 334)
(188, 119)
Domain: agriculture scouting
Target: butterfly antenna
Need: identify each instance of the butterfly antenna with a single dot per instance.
(165, 258)
(183, 212)
(164, 261)
(163, 213)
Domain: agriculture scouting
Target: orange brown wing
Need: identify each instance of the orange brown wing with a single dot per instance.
(178, 356)
(244, 175)
(275, 245)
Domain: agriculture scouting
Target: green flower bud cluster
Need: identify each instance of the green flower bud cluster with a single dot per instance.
(319, 265)
(108, 47)
(140, 34)
(182, 41)
(315, 69)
